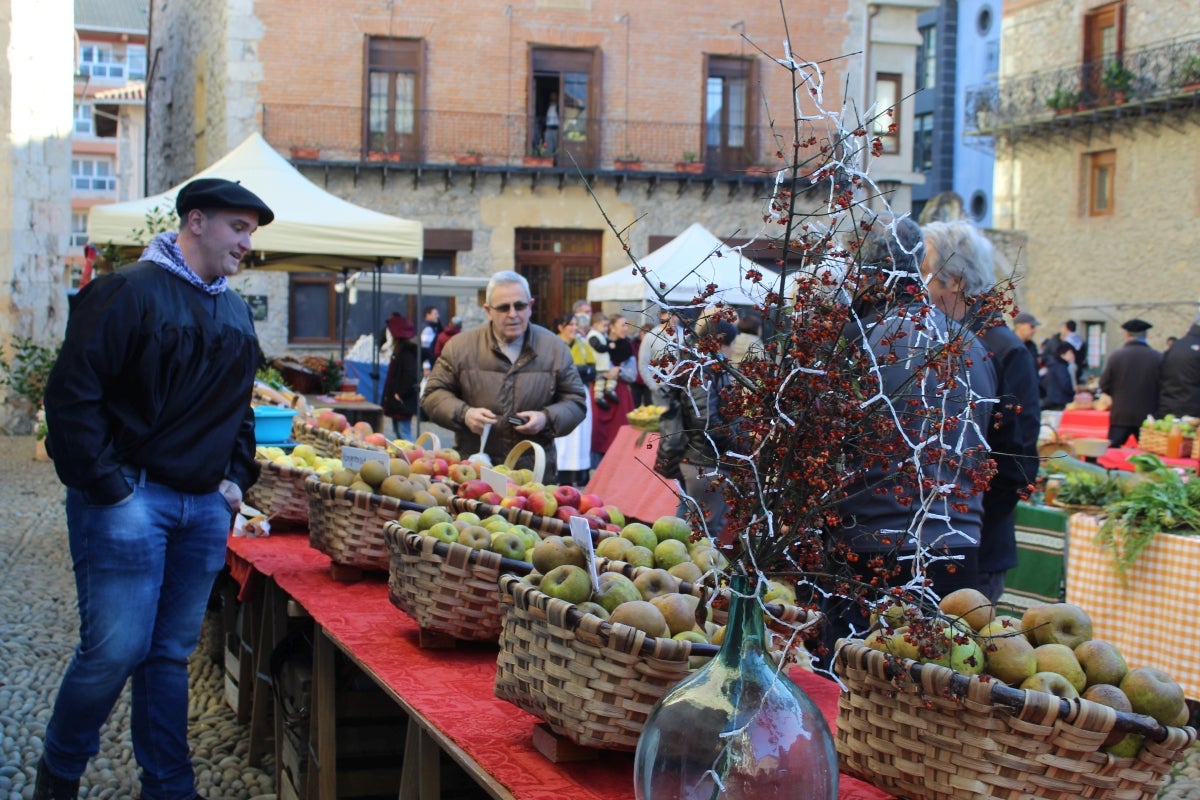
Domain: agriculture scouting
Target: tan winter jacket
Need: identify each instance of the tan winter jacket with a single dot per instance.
(474, 372)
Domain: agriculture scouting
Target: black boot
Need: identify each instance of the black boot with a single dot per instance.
(52, 787)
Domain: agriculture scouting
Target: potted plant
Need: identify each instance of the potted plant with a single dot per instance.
(628, 161)
(539, 156)
(1063, 101)
(471, 158)
(24, 373)
(1118, 80)
(1188, 77)
(305, 153)
(689, 163)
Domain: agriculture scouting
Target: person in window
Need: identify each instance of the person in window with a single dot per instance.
(152, 433)
(550, 125)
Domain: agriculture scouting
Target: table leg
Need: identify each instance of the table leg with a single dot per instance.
(322, 733)
(420, 777)
(271, 630)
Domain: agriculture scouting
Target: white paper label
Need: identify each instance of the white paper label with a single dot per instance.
(581, 532)
(354, 457)
(497, 480)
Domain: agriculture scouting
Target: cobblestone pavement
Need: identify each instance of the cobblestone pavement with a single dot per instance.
(38, 628)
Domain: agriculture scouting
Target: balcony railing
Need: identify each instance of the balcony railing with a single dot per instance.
(338, 133)
(1150, 79)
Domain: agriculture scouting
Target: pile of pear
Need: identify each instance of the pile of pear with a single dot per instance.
(1050, 648)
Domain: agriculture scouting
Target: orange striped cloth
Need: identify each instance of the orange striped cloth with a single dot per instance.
(1148, 618)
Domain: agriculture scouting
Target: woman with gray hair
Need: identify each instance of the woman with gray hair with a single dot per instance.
(958, 270)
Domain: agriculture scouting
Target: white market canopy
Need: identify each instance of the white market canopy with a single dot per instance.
(311, 228)
(686, 265)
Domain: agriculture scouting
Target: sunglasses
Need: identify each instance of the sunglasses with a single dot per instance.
(504, 308)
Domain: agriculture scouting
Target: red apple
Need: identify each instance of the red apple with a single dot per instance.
(566, 512)
(376, 439)
(473, 489)
(599, 513)
(513, 501)
(590, 501)
(612, 526)
(440, 466)
(490, 498)
(567, 496)
(542, 503)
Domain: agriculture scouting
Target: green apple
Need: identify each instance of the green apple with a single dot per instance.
(687, 571)
(508, 545)
(1154, 693)
(641, 615)
(1050, 682)
(588, 607)
(1128, 747)
(670, 552)
(653, 582)
(468, 516)
(1061, 659)
(679, 610)
(613, 548)
(1102, 662)
(443, 532)
(708, 559)
(555, 551)
(496, 522)
(639, 556)
(411, 519)
(1010, 657)
(672, 527)
(614, 589)
(432, 516)
(567, 582)
(1108, 695)
(969, 605)
(474, 537)
(1062, 623)
(527, 534)
(640, 535)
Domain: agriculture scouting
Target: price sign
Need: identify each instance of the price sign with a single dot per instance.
(581, 532)
(497, 480)
(354, 457)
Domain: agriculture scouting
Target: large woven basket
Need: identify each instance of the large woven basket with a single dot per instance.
(925, 732)
(447, 587)
(347, 525)
(279, 492)
(1153, 441)
(592, 682)
(325, 443)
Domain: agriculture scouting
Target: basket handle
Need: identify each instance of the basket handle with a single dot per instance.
(435, 442)
(539, 457)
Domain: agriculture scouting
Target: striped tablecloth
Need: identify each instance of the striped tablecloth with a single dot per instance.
(1039, 574)
(1150, 618)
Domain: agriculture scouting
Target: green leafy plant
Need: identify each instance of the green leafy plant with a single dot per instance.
(1062, 99)
(690, 156)
(1117, 77)
(331, 376)
(1087, 489)
(628, 157)
(26, 370)
(1160, 503)
(540, 150)
(1189, 71)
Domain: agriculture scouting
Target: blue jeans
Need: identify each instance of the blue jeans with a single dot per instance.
(144, 568)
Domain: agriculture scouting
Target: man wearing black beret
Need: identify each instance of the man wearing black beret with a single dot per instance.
(1130, 378)
(151, 430)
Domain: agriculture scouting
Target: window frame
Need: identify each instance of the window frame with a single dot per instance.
(78, 230)
(726, 155)
(310, 279)
(926, 68)
(889, 135)
(110, 179)
(1097, 163)
(107, 68)
(81, 117)
(922, 140)
(391, 57)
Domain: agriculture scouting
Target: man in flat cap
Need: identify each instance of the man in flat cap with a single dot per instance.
(151, 431)
(1130, 378)
(1025, 325)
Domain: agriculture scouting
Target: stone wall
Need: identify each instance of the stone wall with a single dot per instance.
(35, 173)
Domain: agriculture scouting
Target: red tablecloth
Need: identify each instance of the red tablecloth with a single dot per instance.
(626, 477)
(453, 688)
(1118, 458)
(1084, 424)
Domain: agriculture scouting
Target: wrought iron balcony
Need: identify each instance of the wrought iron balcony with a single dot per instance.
(468, 140)
(1149, 80)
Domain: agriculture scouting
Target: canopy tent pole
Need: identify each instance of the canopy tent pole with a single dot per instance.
(416, 420)
(377, 315)
(345, 308)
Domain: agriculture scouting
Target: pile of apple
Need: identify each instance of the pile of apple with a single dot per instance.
(494, 533)
(545, 500)
(1049, 649)
(652, 601)
(397, 479)
(302, 457)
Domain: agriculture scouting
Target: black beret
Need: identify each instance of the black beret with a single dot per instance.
(1136, 325)
(219, 193)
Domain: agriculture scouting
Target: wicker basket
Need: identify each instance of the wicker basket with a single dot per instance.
(449, 588)
(1155, 442)
(279, 492)
(325, 443)
(347, 525)
(591, 681)
(548, 526)
(925, 732)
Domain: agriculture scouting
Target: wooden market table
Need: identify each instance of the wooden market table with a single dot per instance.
(355, 411)
(626, 477)
(447, 693)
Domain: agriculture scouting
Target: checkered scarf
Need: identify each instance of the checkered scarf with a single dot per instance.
(164, 251)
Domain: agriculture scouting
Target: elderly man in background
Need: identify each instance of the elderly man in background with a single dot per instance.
(958, 269)
(1130, 378)
(1025, 325)
(510, 377)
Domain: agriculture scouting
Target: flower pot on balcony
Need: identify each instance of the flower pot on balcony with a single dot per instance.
(306, 153)
(690, 167)
(468, 159)
(626, 166)
(758, 170)
(538, 161)
(375, 155)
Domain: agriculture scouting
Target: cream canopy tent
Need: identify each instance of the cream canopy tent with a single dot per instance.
(685, 266)
(312, 228)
